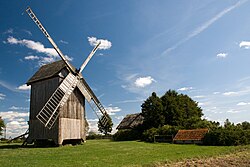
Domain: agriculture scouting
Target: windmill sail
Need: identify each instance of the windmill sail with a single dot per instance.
(49, 112)
(40, 26)
(95, 104)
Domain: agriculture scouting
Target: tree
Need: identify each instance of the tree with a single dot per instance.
(152, 112)
(105, 129)
(180, 110)
(245, 125)
(228, 124)
(2, 126)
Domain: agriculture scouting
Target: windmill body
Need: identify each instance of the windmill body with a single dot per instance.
(58, 93)
(70, 124)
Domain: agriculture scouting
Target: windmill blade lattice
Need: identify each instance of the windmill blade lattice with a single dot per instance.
(40, 26)
(95, 104)
(49, 112)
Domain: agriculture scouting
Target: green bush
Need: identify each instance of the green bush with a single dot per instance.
(93, 135)
(166, 130)
(227, 137)
(148, 135)
(127, 135)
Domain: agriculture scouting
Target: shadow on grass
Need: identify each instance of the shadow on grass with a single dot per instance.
(14, 146)
(19, 145)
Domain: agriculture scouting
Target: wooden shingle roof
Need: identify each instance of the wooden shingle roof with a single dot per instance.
(47, 71)
(195, 134)
(131, 121)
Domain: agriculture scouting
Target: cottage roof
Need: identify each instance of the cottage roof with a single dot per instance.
(194, 134)
(131, 121)
(48, 71)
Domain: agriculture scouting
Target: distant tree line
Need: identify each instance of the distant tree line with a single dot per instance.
(229, 134)
(173, 111)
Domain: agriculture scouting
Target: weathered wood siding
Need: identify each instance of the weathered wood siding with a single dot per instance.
(74, 107)
(72, 114)
(71, 121)
(40, 93)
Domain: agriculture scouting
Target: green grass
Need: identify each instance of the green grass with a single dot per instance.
(105, 153)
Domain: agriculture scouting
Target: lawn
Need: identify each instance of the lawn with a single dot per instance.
(106, 153)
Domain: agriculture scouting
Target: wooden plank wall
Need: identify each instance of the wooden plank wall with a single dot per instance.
(72, 114)
(40, 93)
(71, 123)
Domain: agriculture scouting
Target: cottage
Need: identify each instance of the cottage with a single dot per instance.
(131, 121)
(194, 136)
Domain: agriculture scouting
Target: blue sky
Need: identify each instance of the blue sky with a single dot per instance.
(199, 48)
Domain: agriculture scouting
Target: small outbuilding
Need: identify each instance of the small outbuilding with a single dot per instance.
(131, 121)
(194, 136)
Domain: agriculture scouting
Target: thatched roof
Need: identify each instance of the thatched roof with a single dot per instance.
(131, 121)
(195, 134)
(47, 71)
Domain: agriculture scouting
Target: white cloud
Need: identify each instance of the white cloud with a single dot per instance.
(2, 96)
(215, 93)
(64, 42)
(18, 108)
(245, 44)
(230, 93)
(204, 26)
(201, 104)
(144, 81)
(24, 87)
(11, 115)
(68, 58)
(45, 60)
(185, 89)
(9, 31)
(8, 86)
(16, 128)
(37, 46)
(28, 32)
(93, 127)
(112, 110)
(119, 117)
(222, 55)
(242, 104)
(233, 111)
(105, 44)
(131, 101)
(31, 57)
(134, 84)
(15, 122)
(198, 97)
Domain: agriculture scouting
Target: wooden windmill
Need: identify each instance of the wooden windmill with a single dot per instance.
(57, 103)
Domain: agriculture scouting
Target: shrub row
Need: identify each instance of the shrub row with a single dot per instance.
(127, 135)
(147, 135)
(167, 130)
(227, 137)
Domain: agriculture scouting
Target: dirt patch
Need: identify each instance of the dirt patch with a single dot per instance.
(238, 159)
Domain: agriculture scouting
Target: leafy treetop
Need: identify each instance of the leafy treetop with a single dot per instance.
(171, 109)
